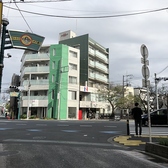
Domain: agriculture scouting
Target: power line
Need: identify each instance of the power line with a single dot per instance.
(162, 70)
(24, 18)
(93, 17)
(22, 1)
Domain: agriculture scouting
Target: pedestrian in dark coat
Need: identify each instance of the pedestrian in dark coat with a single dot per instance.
(137, 112)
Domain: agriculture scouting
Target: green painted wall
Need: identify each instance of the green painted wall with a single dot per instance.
(58, 81)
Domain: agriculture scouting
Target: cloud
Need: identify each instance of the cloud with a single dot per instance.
(122, 35)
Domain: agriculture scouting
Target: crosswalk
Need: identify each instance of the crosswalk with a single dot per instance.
(155, 131)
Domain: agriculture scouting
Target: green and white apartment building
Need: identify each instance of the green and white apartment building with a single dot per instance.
(62, 80)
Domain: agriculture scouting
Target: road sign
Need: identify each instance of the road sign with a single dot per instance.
(144, 61)
(144, 51)
(145, 71)
(145, 83)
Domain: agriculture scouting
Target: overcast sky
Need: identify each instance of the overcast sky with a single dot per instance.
(123, 35)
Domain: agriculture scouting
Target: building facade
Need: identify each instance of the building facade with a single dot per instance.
(94, 72)
(62, 81)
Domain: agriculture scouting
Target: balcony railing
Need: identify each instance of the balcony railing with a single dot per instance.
(36, 82)
(102, 67)
(101, 56)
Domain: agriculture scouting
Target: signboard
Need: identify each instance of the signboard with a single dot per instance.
(145, 83)
(14, 94)
(25, 40)
(145, 72)
(34, 103)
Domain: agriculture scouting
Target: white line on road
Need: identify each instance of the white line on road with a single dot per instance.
(85, 125)
(41, 124)
(111, 126)
(62, 125)
(21, 124)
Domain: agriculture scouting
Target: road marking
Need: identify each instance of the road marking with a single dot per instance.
(39, 137)
(21, 124)
(41, 124)
(70, 131)
(110, 132)
(111, 126)
(3, 129)
(34, 130)
(62, 125)
(152, 133)
(2, 123)
(85, 125)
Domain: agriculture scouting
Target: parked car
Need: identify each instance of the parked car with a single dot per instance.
(158, 117)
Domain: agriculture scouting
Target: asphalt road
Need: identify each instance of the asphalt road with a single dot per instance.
(67, 144)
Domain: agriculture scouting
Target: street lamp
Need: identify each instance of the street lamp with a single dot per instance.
(5, 22)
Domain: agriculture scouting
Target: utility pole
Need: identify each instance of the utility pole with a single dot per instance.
(157, 80)
(28, 104)
(156, 90)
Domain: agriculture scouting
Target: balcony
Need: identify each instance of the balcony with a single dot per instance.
(101, 56)
(35, 57)
(101, 67)
(36, 70)
(37, 84)
(101, 78)
(98, 77)
(35, 101)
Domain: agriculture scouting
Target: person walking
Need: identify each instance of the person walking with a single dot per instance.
(137, 112)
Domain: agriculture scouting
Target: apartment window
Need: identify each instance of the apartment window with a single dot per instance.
(72, 66)
(35, 93)
(54, 52)
(53, 65)
(73, 54)
(72, 80)
(71, 95)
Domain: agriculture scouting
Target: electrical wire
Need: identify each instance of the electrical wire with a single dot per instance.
(24, 18)
(162, 70)
(40, 1)
(92, 17)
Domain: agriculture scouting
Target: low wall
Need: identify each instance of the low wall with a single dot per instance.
(157, 149)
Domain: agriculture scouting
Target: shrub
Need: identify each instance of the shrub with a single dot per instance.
(23, 116)
(163, 141)
(33, 117)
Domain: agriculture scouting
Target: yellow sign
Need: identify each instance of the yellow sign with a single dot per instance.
(14, 94)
